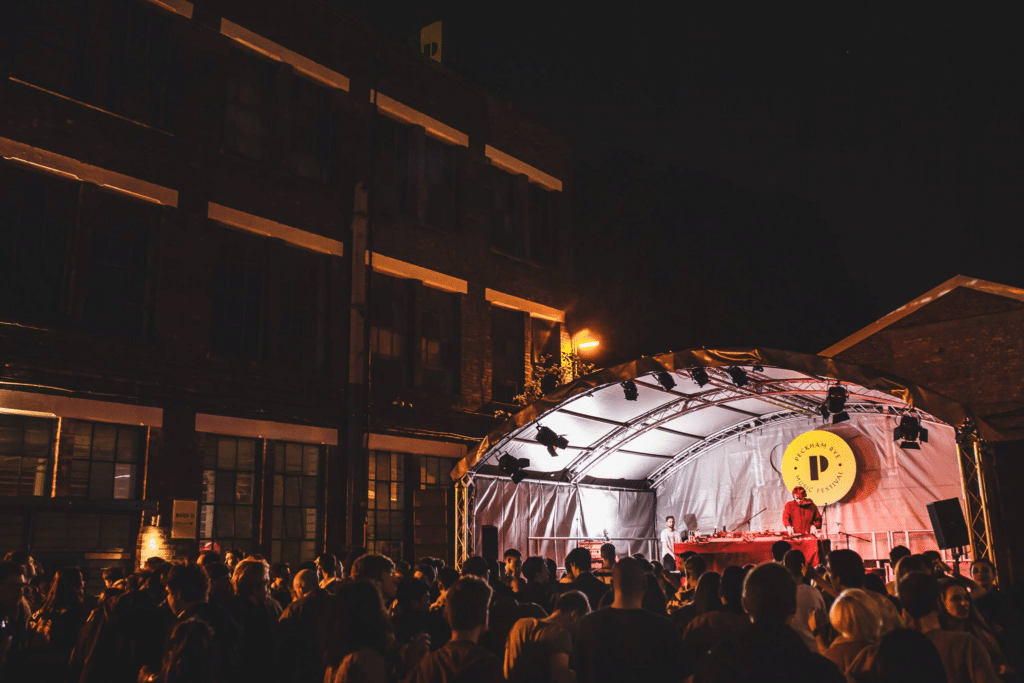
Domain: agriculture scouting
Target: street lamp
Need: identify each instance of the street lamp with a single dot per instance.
(584, 341)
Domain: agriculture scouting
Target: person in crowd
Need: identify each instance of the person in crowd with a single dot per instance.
(188, 656)
(938, 565)
(15, 614)
(540, 649)
(769, 597)
(607, 563)
(626, 642)
(412, 616)
(654, 600)
(963, 655)
(54, 628)
(906, 656)
(800, 514)
(578, 565)
(359, 635)
(504, 611)
(403, 570)
(221, 590)
(846, 569)
(232, 557)
(694, 567)
(669, 537)
(535, 589)
(552, 572)
(257, 613)
(281, 583)
(854, 616)
(378, 570)
(958, 614)
(425, 573)
(154, 562)
(111, 575)
(513, 566)
(302, 630)
(188, 591)
(353, 554)
(808, 600)
(911, 563)
(462, 658)
(328, 572)
(779, 550)
(727, 623)
(33, 572)
(446, 578)
(209, 557)
(705, 599)
(897, 553)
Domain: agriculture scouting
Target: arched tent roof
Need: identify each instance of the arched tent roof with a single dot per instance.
(636, 444)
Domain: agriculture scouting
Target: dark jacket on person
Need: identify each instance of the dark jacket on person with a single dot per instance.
(765, 654)
(130, 636)
(257, 646)
(301, 632)
(588, 584)
(227, 635)
(459, 661)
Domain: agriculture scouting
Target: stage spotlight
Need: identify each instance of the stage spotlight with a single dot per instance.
(910, 433)
(548, 438)
(836, 404)
(700, 376)
(739, 376)
(513, 467)
(665, 380)
(629, 390)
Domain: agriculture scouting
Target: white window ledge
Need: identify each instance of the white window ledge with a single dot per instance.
(265, 429)
(405, 444)
(73, 169)
(268, 228)
(430, 278)
(280, 53)
(50, 405)
(517, 304)
(396, 110)
(514, 166)
(182, 7)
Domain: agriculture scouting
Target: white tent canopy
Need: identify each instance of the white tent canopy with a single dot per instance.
(708, 455)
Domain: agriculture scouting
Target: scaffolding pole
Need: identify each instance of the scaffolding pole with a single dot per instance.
(463, 521)
(972, 480)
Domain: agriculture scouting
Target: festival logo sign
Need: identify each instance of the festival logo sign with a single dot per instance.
(822, 463)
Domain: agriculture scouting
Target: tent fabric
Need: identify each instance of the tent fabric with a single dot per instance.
(538, 509)
(736, 479)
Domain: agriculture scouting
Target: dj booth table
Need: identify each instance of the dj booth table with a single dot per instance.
(723, 552)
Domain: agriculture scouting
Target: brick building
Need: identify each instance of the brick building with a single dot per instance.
(964, 339)
(254, 255)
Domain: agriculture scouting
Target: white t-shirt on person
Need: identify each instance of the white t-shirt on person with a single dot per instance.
(669, 538)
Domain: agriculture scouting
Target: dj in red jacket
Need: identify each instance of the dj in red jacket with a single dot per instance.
(801, 514)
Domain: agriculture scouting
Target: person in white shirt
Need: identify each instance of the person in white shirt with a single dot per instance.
(808, 600)
(669, 537)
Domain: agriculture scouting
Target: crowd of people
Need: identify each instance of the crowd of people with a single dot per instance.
(236, 619)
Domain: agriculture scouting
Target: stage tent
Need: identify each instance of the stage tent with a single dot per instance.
(710, 456)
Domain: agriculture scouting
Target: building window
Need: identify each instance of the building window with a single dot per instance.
(248, 112)
(505, 221)
(105, 460)
(37, 214)
(440, 165)
(437, 367)
(390, 348)
(393, 190)
(385, 518)
(547, 342)
(310, 132)
(294, 515)
(25, 448)
(229, 501)
(508, 353)
(121, 253)
(238, 297)
(138, 84)
(302, 308)
(435, 473)
(52, 53)
(543, 238)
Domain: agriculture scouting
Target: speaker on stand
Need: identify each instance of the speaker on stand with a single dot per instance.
(489, 541)
(950, 528)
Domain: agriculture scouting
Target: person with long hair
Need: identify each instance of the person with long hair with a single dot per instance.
(54, 628)
(359, 635)
(705, 599)
(187, 656)
(957, 613)
(855, 617)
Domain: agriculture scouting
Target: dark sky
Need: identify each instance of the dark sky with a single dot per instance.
(764, 180)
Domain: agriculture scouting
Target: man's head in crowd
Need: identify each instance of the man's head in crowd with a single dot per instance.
(476, 566)
(769, 594)
(379, 570)
(629, 583)
(411, 595)
(251, 580)
(27, 562)
(425, 573)
(578, 562)
(535, 569)
(779, 550)
(112, 575)
(983, 573)
(232, 557)
(846, 569)
(12, 585)
(670, 522)
(919, 595)
(466, 604)
(694, 567)
(513, 562)
(608, 554)
(574, 605)
(795, 562)
(730, 590)
(304, 583)
(446, 577)
(897, 553)
(326, 566)
(186, 585)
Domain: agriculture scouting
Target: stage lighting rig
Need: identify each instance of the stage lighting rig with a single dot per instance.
(665, 380)
(700, 376)
(548, 438)
(629, 390)
(513, 467)
(739, 376)
(910, 433)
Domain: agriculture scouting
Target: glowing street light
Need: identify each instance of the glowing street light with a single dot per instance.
(584, 340)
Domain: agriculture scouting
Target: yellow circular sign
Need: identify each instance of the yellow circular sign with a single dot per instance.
(822, 463)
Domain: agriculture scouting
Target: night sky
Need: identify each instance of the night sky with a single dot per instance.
(763, 180)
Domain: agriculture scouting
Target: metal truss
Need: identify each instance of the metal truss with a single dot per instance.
(464, 492)
(971, 452)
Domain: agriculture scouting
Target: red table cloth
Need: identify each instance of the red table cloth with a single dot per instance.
(721, 553)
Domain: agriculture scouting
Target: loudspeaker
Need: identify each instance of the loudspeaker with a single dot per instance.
(948, 523)
(489, 541)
